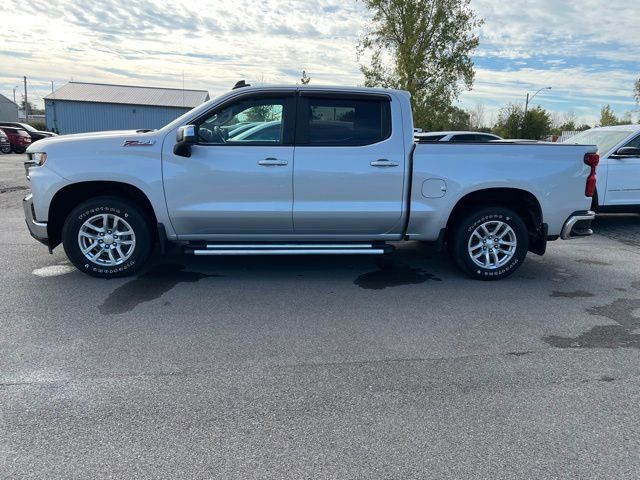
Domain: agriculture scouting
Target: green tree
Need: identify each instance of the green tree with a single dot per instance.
(608, 117)
(33, 110)
(537, 124)
(21, 104)
(565, 127)
(513, 124)
(450, 118)
(509, 121)
(305, 80)
(423, 46)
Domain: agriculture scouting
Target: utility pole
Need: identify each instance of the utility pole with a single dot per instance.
(14, 94)
(53, 104)
(26, 100)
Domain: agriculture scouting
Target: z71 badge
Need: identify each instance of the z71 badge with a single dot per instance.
(138, 143)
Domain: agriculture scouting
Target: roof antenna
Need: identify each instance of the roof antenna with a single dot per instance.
(240, 84)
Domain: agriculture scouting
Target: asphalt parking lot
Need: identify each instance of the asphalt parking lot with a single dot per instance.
(316, 367)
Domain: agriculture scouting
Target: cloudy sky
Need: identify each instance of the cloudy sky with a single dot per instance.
(587, 50)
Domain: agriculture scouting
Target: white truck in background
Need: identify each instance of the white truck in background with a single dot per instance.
(618, 189)
(290, 170)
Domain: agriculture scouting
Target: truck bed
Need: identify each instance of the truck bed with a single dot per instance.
(444, 173)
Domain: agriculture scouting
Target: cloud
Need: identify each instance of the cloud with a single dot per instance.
(588, 51)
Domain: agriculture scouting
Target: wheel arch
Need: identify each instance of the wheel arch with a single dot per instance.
(523, 202)
(70, 196)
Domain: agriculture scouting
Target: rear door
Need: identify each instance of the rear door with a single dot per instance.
(623, 179)
(349, 169)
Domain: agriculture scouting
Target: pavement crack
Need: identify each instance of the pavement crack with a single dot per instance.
(574, 294)
(12, 189)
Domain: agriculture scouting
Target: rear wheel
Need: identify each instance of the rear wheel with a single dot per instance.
(107, 237)
(490, 243)
(6, 149)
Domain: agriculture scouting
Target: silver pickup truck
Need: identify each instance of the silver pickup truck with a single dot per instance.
(303, 170)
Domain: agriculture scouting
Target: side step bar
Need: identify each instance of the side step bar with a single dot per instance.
(289, 249)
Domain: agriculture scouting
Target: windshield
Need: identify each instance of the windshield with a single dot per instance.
(27, 127)
(604, 139)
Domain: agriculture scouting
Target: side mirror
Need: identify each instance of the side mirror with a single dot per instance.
(185, 137)
(628, 152)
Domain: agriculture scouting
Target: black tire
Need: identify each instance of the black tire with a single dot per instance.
(463, 232)
(594, 202)
(133, 215)
(5, 149)
(19, 149)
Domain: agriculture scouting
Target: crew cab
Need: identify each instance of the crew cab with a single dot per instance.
(321, 170)
(618, 189)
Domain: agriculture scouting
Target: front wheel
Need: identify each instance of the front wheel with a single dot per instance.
(107, 237)
(19, 150)
(490, 243)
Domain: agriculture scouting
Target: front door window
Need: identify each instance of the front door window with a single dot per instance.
(253, 121)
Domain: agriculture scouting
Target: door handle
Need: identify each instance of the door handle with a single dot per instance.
(272, 162)
(383, 162)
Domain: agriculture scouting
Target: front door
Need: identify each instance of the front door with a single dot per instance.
(623, 178)
(238, 180)
(349, 172)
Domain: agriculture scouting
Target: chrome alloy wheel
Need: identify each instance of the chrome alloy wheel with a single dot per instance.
(106, 239)
(492, 245)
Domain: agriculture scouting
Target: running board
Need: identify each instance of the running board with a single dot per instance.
(289, 249)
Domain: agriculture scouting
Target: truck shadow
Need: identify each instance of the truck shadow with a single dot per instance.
(408, 265)
(148, 286)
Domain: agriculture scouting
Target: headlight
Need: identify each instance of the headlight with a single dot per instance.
(38, 158)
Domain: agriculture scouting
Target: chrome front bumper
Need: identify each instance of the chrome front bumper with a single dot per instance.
(38, 230)
(578, 225)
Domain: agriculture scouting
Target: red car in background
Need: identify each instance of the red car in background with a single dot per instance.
(5, 146)
(18, 139)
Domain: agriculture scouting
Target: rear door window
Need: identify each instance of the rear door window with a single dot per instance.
(343, 121)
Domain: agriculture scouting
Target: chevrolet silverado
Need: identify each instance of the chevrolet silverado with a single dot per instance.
(290, 170)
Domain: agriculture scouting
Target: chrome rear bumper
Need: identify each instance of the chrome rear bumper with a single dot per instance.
(38, 230)
(578, 225)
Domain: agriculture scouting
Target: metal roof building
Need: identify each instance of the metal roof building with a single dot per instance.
(90, 107)
(8, 110)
